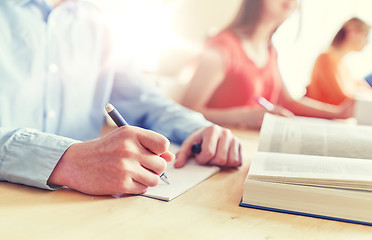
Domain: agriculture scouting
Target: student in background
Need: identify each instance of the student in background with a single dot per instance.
(56, 75)
(330, 80)
(239, 65)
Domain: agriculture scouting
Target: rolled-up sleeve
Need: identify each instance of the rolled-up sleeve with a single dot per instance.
(28, 156)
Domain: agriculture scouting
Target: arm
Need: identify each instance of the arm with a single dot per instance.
(28, 156)
(143, 105)
(118, 163)
(208, 76)
(312, 108)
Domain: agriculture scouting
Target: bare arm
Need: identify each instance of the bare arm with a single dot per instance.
(208, 76)
(312, 108)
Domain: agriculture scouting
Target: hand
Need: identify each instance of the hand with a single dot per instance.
(253, 117)
(281, 111)
(219, 147)
(128, 160)
(345, 109)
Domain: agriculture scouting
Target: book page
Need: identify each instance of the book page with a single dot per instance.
(312, 170)
(315, 137)
(180, 179)
(362, 111)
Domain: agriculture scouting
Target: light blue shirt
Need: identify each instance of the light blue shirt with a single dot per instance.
(56, 76)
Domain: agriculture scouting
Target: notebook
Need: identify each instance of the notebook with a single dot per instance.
(180, 179)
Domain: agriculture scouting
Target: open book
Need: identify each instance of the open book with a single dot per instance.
(362, 109)
(312, 167)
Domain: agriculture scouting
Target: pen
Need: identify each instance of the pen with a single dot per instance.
(196, 148)
(265, 104)
(120, 121)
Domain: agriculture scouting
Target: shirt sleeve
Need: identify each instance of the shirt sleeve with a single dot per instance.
(142, 104)
(28, 156)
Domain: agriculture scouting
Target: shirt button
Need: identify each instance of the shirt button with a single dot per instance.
(53, 68)
(51, 114)
(52, 23)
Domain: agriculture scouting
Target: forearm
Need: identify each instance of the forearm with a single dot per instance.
(142, 104)
(241, 116)
(308, 107)
(28, 156)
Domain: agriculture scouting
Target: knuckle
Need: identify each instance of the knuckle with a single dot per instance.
(160, 166)
(220, 161)
(124, 187)
(214, 128)
(164, 143)
(207, 155)
(226, 132)
(153, 181)
(125, 168)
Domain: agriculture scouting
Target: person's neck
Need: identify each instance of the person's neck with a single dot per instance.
(340, 51)
(262, 34)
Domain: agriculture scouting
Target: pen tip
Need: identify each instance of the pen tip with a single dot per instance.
(109, 107)
(164, 178)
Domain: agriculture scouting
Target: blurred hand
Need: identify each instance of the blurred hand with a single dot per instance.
(219, 147)
(253, 117)
(281, 111)
(346, 109)
(128, 160)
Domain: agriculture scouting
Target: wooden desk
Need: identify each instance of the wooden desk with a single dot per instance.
(208, 211)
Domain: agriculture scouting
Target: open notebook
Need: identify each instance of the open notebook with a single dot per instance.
(181, 179)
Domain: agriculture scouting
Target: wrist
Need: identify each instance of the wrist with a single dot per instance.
(61, 174)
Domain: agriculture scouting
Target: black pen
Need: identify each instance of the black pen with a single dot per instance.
(120, 121)
(196, 148)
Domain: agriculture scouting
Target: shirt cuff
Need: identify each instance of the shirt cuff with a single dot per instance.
(29, 157)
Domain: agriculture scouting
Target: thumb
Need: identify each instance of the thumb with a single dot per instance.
(152, 141)
(181, 158)
(167, 156)
(183, 154)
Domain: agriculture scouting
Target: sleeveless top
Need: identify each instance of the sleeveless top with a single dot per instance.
(243, 82)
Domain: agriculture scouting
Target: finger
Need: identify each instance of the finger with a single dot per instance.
(154, 142)
(134, 187)
(168, 156)
(146, 177)
(153, 163)
(234, 159)
(223, 145)
(184, 153)
(210, 139)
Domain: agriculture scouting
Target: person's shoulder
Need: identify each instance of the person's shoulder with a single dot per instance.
(325, 56)
(222, 38)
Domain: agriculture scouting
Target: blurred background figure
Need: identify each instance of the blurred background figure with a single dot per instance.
(239, 66)
(331, 81)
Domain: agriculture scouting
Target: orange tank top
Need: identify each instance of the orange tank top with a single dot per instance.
(244, 82)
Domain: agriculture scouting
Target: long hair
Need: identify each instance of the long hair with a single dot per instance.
(355, 22)
(247, 17)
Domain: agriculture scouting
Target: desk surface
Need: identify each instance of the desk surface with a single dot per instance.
(208, 211)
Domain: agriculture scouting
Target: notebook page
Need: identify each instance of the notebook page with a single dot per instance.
(181, 179)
